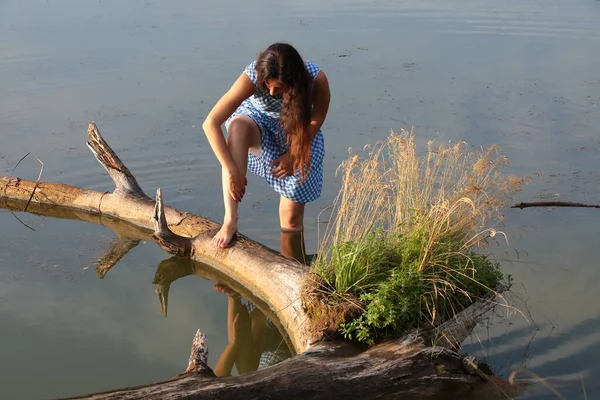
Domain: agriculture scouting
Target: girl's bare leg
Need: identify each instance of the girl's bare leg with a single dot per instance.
(291, 219)
(235, 317)
(242, 135)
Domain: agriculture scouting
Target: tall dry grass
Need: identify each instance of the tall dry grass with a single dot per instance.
(398, 213)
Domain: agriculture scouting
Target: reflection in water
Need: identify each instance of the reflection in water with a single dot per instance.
(253, 341)
(534, 356)
(119, 247)
(253, 338)
(169, 271)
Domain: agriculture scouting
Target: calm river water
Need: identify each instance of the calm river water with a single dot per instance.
(520, 74)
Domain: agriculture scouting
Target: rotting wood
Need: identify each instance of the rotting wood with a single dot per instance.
(419, 366)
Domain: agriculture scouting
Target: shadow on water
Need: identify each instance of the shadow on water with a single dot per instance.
(558, 376)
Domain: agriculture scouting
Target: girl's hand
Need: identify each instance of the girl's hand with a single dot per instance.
(237, 184)
(284, 166)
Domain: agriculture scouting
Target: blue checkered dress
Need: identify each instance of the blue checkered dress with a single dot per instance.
(265, 111)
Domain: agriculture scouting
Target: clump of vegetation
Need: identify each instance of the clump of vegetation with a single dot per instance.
(400, 248)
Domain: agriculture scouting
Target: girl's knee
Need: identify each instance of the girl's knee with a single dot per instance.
(292, 221)
(242, 129)
(237, 129)
(291, 215)
(237, 124)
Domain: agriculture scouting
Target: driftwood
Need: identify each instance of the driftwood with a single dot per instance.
(422, 364)
(552, 204)
(395, 370)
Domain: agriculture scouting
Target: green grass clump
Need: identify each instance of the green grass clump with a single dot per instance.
(399, 251)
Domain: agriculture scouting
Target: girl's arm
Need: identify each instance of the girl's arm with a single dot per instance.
(239, 91)
(321, 98)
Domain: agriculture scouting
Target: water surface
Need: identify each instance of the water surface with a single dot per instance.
(522, 75)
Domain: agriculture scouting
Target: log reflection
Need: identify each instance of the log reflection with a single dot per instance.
(253, 341)
(128, 236)
(117, 250)
(255, 337)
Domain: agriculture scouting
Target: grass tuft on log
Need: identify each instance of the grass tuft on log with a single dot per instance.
(402, 248)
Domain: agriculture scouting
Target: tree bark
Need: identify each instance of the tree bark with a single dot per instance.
(423, 364)
(402, 369)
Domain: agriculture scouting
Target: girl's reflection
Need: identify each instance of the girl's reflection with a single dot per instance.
(253, 341)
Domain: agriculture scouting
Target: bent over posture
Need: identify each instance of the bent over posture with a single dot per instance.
(273, 114)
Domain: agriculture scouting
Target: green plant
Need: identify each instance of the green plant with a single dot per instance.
(400, 245)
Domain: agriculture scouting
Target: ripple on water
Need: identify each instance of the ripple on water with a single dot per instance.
(562, 19)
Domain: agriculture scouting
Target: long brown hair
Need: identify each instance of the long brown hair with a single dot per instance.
(281, 61)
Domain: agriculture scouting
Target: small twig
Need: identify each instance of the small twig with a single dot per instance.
(37, 182)
(14, 215)
(553, 204)
(33, 192)
(25, 156)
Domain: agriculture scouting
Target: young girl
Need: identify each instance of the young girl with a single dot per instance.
(273, 114)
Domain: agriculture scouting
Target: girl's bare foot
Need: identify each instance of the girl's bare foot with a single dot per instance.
(223, 238)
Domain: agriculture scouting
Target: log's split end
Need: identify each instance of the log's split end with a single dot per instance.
(160, 221)
(125, 182)
(198, 361)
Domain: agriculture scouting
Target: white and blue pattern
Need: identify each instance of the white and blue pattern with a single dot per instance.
(265, 111)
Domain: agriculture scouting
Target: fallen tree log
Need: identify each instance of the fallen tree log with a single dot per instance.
(271, 277)
(403, 369)
(422, 364)
(168, 270)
